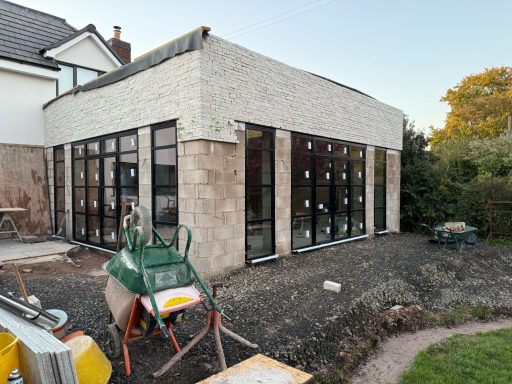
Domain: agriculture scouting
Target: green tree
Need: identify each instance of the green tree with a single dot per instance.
(418, 181)
(479, 106)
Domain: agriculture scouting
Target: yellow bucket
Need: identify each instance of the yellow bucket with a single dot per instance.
(8, 355)
(92, 366)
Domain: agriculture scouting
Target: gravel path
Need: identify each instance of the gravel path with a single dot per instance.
(282, 306)
(395, 355)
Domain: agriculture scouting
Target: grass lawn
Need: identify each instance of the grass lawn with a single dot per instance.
(484, 359)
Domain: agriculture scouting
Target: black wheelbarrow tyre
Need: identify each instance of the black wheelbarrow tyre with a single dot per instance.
(140, 217)
(113, 341)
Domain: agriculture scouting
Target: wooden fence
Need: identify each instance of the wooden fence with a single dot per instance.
(500, 218)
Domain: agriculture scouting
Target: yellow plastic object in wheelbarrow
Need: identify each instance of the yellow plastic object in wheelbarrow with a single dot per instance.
(92, 366)
(8, 355)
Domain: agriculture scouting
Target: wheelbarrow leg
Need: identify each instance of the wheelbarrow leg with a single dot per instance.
(186, 348)
(174, 343)
(218, 343)
(134, 314)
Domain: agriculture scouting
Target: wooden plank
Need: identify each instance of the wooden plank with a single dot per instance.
(260, 369)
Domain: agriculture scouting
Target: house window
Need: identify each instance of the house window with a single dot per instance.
(105, 172)
(165, 178)
(259, 192)
(328, 190)
(59, 189)
(72, 75)
(380, 190)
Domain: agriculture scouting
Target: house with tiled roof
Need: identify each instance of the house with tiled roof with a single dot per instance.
(41, 57)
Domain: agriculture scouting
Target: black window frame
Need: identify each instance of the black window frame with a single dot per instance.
(58, 187)
(272, 187)
(384, 185)
(102, 154)
(74, 67)
(155, 147)
(333, 185)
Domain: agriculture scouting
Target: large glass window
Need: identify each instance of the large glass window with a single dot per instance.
(72, 75)
(104, 173)
(328, 189)
(59, 190)
(259, 198)
(380, 190)
(165, 179)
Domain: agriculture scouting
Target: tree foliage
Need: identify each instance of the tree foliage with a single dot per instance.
(479, 106)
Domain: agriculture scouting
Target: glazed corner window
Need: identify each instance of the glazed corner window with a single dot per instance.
(71, 75)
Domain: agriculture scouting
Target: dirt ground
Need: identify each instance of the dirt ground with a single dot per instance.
(282, 306)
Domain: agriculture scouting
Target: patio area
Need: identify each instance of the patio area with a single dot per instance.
(12, 250)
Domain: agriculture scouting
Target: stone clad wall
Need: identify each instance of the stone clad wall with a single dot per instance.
(238, 84)
(164, 92)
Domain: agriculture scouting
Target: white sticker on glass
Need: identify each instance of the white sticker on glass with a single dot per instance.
(132, 172)
(345, 150)
(83, 231)
(306, 203)
(96, 146)
(111, 174)
(132, 142)
(345, 200)
(327, 229)
(113, 235)
(360, 199)
(133, 204)
(81, 202)
(306, 233)
(327, 176)
(94, 203)
(361, 154)
(79, 151)
(359, 174)
(306, 174)
(81, 174)
(97, 232)
(113, 205)
(113, 145)
(96, 176)
(344, 176)
(360, 225)
(345, 227)
(329, 147)
(309, 144)
(320, 206)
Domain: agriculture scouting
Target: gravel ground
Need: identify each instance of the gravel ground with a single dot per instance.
(282, 306)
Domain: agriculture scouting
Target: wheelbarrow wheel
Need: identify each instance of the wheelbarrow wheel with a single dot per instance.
(113, 341)
(140, 217)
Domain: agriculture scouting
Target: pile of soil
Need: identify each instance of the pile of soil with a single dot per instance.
(283, 307)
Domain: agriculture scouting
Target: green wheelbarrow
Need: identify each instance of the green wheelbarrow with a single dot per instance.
(161, 282)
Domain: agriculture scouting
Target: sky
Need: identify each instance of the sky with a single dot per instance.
(405, 53)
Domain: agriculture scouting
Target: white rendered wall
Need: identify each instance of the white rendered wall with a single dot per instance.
(21, 100)
(87, 54)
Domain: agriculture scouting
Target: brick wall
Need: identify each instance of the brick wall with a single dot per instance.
(211, 190)
(393, 190)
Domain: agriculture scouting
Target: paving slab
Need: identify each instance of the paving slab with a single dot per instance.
(260, 369)
(13, 250)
